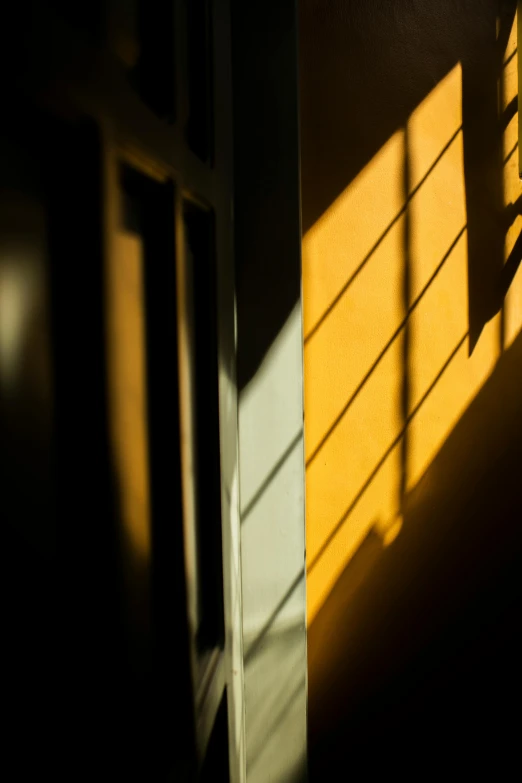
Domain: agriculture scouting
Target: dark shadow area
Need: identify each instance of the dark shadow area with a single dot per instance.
(57, 504)
(67, 562)
(482, 90)
(91, 225)
(27, 434)
(414, 658)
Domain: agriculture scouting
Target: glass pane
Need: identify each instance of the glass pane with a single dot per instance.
(202, 315)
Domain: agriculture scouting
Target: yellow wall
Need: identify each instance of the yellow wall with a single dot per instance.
(386, 283)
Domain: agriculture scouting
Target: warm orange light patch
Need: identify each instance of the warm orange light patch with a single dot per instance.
(384, 359)
(126, 349)
(351, 387)
(342, 349)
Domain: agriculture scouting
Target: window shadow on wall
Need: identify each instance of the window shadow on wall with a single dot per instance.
(401, 653)
(365, 68)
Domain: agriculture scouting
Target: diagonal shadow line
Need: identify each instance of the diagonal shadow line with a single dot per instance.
(381, 239)
(503, 34)
(511, 266)
(508, 113)
(379, 358)
(506, 62)
(510, 153)
(386, 454)
(271, 476)
(264, 630)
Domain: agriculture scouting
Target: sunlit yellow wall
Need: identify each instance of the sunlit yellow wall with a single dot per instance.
(387, 365)
(339, 355)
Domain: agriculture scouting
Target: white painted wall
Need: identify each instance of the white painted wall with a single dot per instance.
(273, 560)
